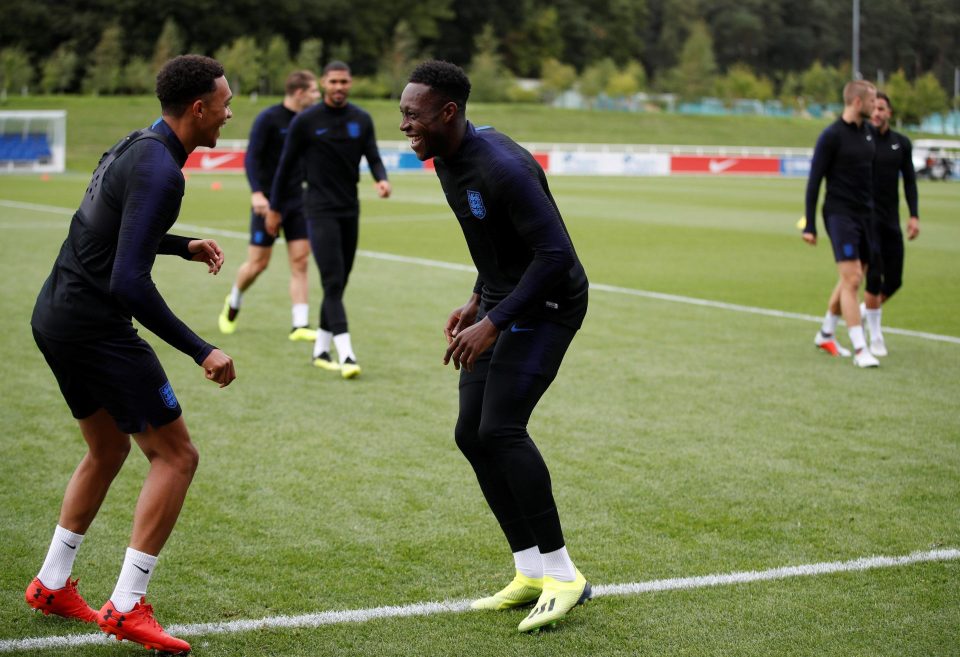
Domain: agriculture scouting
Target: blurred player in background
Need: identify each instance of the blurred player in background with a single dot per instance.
(844, 155)
(330, 139)
(510, 337)
(263, 155)
(885, 273)
(111, 379)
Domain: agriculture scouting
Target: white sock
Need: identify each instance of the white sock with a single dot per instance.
(873, 323)
(856, 337)
(322, 344)
(829, 326)
(557, 564)
(58, 565)
(134, 577)
(301, 314)
(529, 562)
(344, 348)
(236, 296)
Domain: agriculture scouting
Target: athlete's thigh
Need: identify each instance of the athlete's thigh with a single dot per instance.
(847, 237)
(294, 224)
(258, 231)
(325, 241)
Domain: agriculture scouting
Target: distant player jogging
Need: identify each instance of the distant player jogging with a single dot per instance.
(844, 155)
(894, 161)
(260, 162)
(509, 339)
(110, 377)
(328, 141)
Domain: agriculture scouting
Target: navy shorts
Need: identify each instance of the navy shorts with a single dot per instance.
(850, 237)
(121, 375)
(294, 227)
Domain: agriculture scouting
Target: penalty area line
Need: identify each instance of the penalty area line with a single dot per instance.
(459, 606)
(601, 287)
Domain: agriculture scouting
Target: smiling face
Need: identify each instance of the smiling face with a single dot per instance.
(336, 87)
(881, 115)
(427, 121)
(214, 113)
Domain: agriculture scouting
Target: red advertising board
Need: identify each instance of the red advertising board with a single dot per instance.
(214, 160)
(720, 165)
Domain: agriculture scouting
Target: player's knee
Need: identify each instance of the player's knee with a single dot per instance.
(466, 438)
(496, 432)
(891, 286)
(185, 459)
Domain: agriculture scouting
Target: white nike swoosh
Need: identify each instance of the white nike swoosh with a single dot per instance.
(208, 162)
(719, 166)
(895, 147)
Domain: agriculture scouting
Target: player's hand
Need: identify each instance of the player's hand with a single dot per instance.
(207, 251)
(810, 238)
(913, 228)
(383, 188)
(218, 367)
(468, 344)
(461, 318)
(259, 203)
(272, 222)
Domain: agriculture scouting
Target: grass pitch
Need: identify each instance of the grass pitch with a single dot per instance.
(683, 440)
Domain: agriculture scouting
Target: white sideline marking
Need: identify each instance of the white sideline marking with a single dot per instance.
(660, 296)
(458, 606)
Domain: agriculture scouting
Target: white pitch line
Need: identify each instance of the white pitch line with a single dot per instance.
(613, 289)
(459, 606)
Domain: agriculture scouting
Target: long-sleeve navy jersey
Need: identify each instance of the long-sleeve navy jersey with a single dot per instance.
(330, 142)
(526, 263)
(894, 158)
(101, 277)
(844, 154)
(263, 154)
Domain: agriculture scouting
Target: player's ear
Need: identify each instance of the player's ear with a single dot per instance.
(196, 108)
(449, 111)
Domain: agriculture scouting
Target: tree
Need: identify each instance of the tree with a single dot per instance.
(596, 77)
(489, 79)
(16, 73)
(741, 82)
(308, 57)
(138, 76)
(241, 60)
(928, 96)
(59, 70)
(169, 44)
(398, 60)
(822, 84)
(627, 81)
(556, 78)
(900, 91)
(695, 74)
(105, 72)
(276, 65)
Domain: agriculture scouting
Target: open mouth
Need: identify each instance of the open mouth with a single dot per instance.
(415, 141)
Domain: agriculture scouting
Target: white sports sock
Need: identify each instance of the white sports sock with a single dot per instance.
(322, 343)
(529, 562)
(58, 565)
(133, 580)
(300, 314)
(236, 296)
(856, 337)
(557, 564)
(873, 323)
(829, 326)
(344, 348)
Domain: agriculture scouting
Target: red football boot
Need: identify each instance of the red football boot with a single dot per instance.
(139, 625)
(66, 602)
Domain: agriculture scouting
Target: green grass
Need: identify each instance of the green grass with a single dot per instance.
(93, 121)
(682, 440)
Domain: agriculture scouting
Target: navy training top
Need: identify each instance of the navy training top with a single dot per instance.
(101, 277)
(526, 263)
(844, 155)
(330, 142)
(264, 146)
(894, 158)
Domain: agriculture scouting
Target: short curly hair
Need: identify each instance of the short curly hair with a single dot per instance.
(447, 79)
(185, 78)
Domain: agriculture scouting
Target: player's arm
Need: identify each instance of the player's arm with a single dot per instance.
(377, 169)
(253, 163)
(151, 202)
(910, 189)
(293, 146)
(823, 154)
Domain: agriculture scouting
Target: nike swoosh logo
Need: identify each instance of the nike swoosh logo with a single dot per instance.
(895, 147)
(320, 131)
(719, 166)
(517, 329)
(145, 572)
(209, 162)
(72, 547)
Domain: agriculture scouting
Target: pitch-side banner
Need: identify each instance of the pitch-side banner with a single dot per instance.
(215, 160)
(717, 165)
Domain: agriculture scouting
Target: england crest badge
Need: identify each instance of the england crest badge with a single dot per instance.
(476, 204)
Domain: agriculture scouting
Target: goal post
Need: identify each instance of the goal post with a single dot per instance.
(33, 141)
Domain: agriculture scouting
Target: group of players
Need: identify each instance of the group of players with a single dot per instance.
(507, 340)
(862, 159)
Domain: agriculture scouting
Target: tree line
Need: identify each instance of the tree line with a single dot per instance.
(796, 51)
